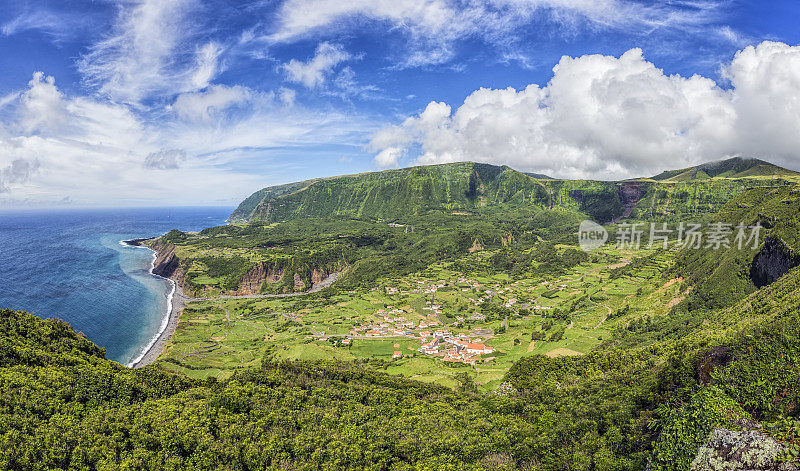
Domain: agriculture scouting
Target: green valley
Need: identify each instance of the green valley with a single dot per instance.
(445, 317)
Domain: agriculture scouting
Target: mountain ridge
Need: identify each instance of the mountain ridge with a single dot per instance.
(734, 167)
(474, 187)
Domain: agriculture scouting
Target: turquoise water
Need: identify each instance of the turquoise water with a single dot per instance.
(71, 264)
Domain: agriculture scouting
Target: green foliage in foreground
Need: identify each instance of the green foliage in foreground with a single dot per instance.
(89, 413)
(646, 399)
(64, 407)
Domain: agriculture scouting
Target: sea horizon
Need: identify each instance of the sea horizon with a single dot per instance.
(73, 264)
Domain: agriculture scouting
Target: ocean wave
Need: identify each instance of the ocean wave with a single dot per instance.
(165, 320)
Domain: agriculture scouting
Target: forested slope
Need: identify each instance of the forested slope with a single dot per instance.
(487, 189)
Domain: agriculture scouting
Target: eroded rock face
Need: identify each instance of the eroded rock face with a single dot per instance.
(255, 278)
(317, 275)
(772, 262)
(629, 194)
(166, 263)
(717, 357)
(299, 285)
(252, 280)
(728, 450)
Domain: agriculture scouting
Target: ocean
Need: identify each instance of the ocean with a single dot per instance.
(71, 264)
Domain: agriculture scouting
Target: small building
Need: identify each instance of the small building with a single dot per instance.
(479, 349)
(397, 354)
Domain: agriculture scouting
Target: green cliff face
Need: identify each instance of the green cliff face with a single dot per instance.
(483, 188)
(736, 167)
(396, 193)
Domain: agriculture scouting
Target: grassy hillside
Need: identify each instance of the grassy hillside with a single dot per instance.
(618, 359)
(736, 167)
(488, 189)
(398, 193)
(245, 210)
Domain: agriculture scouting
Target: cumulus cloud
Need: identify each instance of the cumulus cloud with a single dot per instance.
(313, 72)
(389, 157)
(98, 151)
(766, 84)
(608, 117)
(42, 108)
(433, 25)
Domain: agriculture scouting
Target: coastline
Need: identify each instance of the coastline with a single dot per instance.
(151, 353)
(176, 301)
(163, 265)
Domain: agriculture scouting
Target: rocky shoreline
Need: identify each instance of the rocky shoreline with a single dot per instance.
(167, 265)
(179, 301)
(164, 265)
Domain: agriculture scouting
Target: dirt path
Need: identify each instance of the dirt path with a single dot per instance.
(604, 318)
(317, 287)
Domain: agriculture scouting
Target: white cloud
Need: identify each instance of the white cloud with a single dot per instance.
(298, 17)
(346, 86)
(18, 171)
(607, 117)
(53, 145)
(389, 157)
(57, 24)
(206, 65)
(149, 53)
(287, 96)
(766, 80)
(313, 72)
(433, 25)
(205, 105)
(167, 159)
(42, 108)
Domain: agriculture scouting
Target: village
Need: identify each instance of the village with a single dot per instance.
(436, 340)
(432, 325)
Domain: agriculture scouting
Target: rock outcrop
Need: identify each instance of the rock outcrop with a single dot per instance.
(629, 194)
(299, 285)
(166, 263)
(717, 357)
(772, 262)
(750, 450)
(254, 279)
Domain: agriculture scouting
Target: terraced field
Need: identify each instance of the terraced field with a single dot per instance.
(215, 338)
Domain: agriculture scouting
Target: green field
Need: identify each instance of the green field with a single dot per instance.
(215, 338)
(545, 357)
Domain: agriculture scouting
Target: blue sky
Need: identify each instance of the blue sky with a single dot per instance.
(202, 102)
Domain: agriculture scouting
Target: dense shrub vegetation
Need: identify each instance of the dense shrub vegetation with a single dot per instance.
(728, 355)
